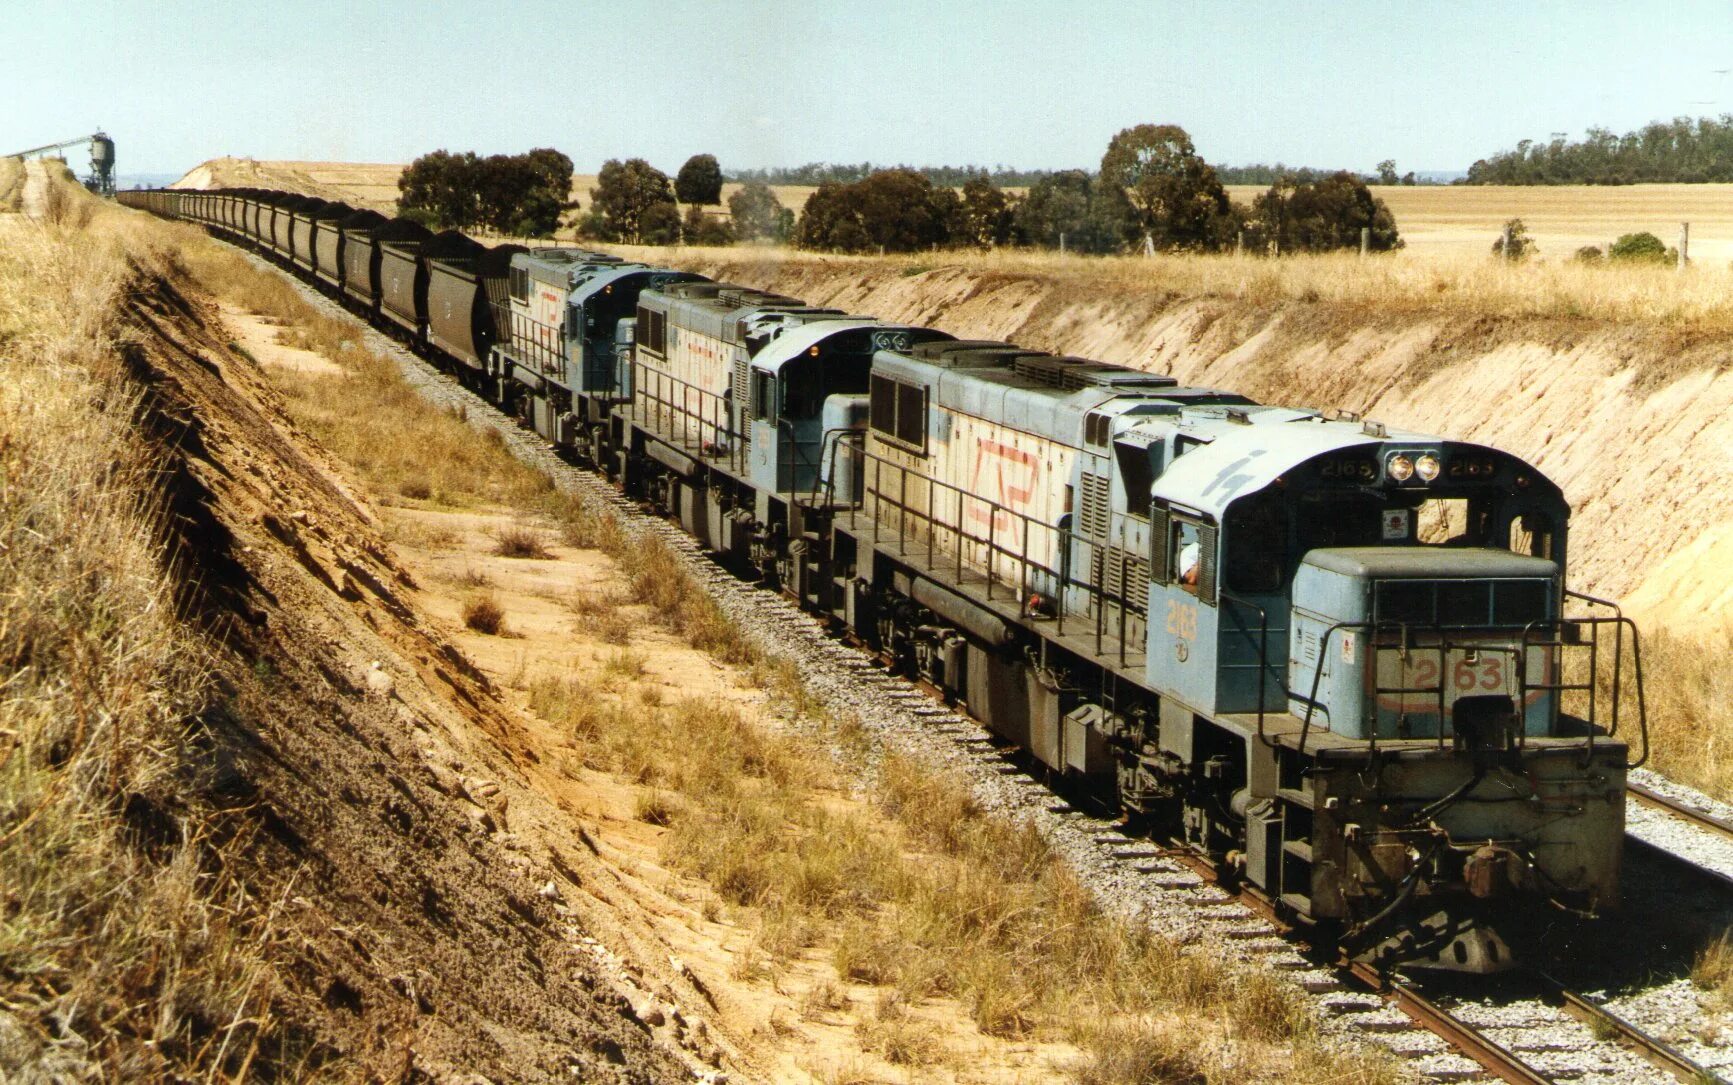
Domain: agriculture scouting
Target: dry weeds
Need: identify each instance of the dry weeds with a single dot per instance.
(124, 951)
(521, 541)
(11, 185)
(483, 614)
(1403, 283)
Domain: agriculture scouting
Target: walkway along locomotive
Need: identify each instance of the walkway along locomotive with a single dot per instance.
(1338, 660)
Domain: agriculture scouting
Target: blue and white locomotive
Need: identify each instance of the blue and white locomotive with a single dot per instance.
(1339, 661)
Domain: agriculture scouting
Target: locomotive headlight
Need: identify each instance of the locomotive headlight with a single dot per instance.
(1400, 468)
(1426, 467)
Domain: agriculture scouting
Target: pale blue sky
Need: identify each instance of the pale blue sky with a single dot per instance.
(779, 83)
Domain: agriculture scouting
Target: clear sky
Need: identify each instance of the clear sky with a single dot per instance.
(1032, 84)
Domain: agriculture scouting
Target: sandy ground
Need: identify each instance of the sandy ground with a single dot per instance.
(644, 915)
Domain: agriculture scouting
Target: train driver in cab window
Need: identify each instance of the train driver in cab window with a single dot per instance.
(1188, 552)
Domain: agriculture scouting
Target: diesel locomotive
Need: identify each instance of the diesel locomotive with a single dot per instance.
(1340, 661)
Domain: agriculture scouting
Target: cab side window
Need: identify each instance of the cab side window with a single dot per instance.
(1191, 557)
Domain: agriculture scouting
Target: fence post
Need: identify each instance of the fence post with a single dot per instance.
(1365, 240)
(1061, 244)
(1240, 243)
(1504, 249)
(1684, 244)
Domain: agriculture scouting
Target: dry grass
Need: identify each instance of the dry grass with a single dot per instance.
(483, 614)
(1713, 971)
(521, 541)
(11, 185)
(924, 895)
(1690, 698)
(1403, 283)
(124, 954)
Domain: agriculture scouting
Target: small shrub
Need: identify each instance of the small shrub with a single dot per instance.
(519, 541)
(1641, 248)
(473, 578)
(1589, 254)
(1522, 246)
(483, 614)
(416, 488)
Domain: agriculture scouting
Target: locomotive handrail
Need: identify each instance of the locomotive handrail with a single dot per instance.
(1263, 656)
(717, 422)
(1022, 528)
(550, 360)
(1445, 643)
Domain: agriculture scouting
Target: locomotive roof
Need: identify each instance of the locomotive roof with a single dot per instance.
(1423, 563)
(595, 278)
(1245, 455)
(1028, 390)
(796, 340)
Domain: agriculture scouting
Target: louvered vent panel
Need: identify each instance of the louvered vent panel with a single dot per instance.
(1097, 506)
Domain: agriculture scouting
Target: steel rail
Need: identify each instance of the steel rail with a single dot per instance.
(1673, 806)
(1605, 1022)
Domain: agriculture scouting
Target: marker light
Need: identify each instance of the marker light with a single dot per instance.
(1400, 468)
(1427, 467)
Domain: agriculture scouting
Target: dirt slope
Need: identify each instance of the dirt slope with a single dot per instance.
(373, 770)
(1632, 424)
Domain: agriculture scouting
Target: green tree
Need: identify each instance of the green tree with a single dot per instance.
(699, 180)
(1387, 172)
(1641, 248)
(633, 201)
(1175, 196)
(443, 185)
(984, 214)
(1521, 247)
(757, 214)
(896, 210)
(1056, 206)
(1321, 215)
(700, 228)
(660, 224)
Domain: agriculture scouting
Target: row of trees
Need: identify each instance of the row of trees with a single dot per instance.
(637, 203)
(521, 194)
(844, 173)
(1152, 190)
(1680, 150)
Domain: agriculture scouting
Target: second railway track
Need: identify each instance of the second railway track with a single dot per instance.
(1558, 1035)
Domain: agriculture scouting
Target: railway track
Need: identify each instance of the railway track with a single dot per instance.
(1448, 1039)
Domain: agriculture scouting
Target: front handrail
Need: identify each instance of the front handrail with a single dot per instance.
(1445, 641)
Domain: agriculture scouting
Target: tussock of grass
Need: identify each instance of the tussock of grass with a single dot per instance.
(123, 954)
(521, 541)
(1713, 970)
(483, 614)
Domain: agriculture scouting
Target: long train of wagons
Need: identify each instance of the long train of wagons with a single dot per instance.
(1338, 660)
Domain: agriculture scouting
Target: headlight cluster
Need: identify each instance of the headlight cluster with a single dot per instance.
(1403, 466)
